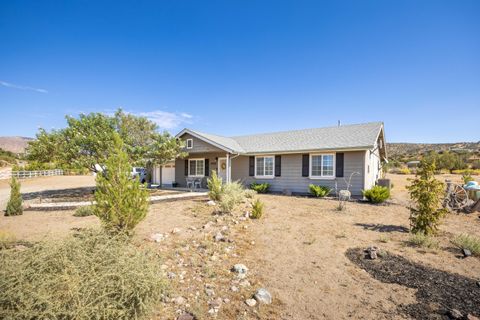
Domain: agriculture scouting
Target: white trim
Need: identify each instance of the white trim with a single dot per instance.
(321, 176)
(272, 176)
(187, 141)
(197, 175)
(196, 135)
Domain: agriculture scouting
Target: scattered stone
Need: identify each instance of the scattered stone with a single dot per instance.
(186, 316)
(372, 252)
(211, 203)
(179, 300)
(207, 225)
(471, 317)
(454, 314)
(226, 300)
(251, 302)
(234, 288)
(156, 237)
(241, 270)
(478, 283)
(466, 253)
(176, 230)
(164, 267)
(219, 237)
(209, 292)
(252, 243)
(244, 283)
(171, 275)
(263, 296)
(192, 228)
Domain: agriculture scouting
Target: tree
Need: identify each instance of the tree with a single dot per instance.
(14, 205)
(121, 202)
(426, 192)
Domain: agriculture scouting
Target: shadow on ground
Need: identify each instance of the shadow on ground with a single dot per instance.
(83, 192)
(437, 291)
(383, 227)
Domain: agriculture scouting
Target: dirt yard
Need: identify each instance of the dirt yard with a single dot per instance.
(300, 251)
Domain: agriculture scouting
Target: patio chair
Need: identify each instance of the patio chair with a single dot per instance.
(197, 183)
(190, 182)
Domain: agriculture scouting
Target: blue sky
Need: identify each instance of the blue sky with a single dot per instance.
(240, 67)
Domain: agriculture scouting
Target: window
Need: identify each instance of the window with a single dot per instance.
(322, 166)
(189, 143)
(196, 167)
(264, 167)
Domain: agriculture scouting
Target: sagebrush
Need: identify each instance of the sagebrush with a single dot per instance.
(232, 194)
(466, 241)
(260, 187)
(83, 211)
(319, 191)
(121, 202)
(257, 209)
(14, 205)
(423, 241)
(90, 275)
(377, 194)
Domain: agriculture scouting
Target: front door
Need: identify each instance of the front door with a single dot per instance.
(222, 168)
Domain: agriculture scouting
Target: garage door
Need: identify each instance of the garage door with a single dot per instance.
(168, 175)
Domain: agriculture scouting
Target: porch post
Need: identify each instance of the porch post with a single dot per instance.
(228, 167)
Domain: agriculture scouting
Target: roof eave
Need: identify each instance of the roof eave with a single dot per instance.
(199, 136)
(360, 148)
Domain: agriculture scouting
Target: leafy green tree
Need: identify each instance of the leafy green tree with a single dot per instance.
(426, 192)
(14, 205)
(121, 202)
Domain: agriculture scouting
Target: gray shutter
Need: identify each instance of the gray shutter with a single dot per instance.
(305, 165)
(251, 167)
(186, 167)
(278, 166)
(339, 165)
(207, 167)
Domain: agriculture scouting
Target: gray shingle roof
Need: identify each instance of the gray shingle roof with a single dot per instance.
(361, 136)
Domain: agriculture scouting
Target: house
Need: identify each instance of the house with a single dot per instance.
(289, 161)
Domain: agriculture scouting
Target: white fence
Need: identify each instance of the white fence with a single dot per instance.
(30, 174)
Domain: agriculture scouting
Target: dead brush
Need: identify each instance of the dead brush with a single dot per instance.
(86, 276)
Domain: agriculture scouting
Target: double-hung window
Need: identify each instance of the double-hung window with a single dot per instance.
(322, 166)
(196, 167)
(264, 167)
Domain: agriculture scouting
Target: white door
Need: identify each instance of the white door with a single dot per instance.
(222, 168)
(168, 174)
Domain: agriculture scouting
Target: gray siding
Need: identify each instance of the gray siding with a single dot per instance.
(199, 146)
(180, 177)
(292, 180)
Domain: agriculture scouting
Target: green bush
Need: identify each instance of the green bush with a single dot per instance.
(83, 211)
(257, 209)
(423, 241)
(466, 241)
(319, 191)
(467, 177)
(121, 202)
(14, 205)
(260, 187)
(377, 194)
(89, 275)
(214, 184)
(232, 194)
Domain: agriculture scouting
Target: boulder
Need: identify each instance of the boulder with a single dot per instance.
(263, 296)
(454, 314)
(251, 302)
(466, 253)
(211, 203)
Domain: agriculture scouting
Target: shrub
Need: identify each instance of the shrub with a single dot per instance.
(404, 171)
(83, 211)
(249, 194)
(466, 241)
(214, 184)
(89, 275)
(14, 205)
(423, 241)
(232, 194)
(257, 209)
(426, 192)
(260, 187)
(377, 194)
(319, 191)
(467, 177)
(121, 201)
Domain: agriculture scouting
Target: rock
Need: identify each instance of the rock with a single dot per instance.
(209, 292)
(234, 288)
(466, 253)
(478, 283)
(263, 296)
(219, 237)
(226, 300)
(251, 302)
(186, 316)
(171, 275)
(179, 300)
(176, 230)
(241, 270)
(244, 283)
(372, 252)
(471, 317)
(192, 228)
(156, 237)
(454, 314)
(211, 203)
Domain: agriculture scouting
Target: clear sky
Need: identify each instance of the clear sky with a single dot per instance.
(240, 67)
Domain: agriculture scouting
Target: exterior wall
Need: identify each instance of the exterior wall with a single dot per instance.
(291, 174)
(199, 146)
(212, 157)
(373, 170)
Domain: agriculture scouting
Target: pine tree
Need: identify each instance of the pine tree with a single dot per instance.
(14, 205)
(121, 202)
(426, 192)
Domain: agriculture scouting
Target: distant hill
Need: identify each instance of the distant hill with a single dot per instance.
(410, 149)
(14, 144)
